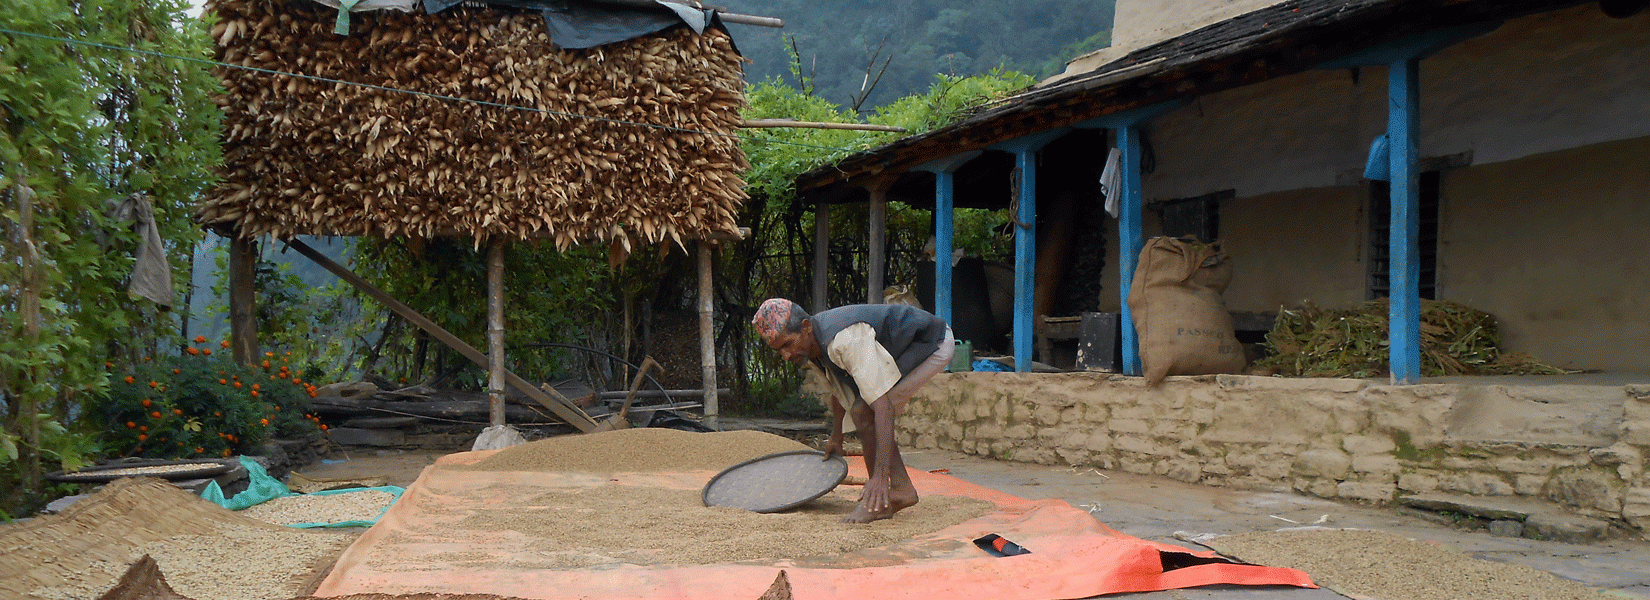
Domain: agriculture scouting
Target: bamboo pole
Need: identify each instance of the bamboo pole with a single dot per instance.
(707, 337)
(495, 332)
(29, 309)
(550, 398)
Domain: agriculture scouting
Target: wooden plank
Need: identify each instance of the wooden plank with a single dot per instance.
(548, 397)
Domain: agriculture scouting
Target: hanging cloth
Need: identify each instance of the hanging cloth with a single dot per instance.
(1111, 182)
(151, 275)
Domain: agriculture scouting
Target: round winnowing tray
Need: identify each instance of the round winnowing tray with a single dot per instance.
(775, 482)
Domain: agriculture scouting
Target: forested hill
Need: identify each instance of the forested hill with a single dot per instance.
(836, 39)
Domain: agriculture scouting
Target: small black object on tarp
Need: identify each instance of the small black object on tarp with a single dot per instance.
(996, 545)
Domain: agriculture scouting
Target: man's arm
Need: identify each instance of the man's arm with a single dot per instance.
(834, 446)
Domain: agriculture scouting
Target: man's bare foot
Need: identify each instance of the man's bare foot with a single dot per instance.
(897, 503)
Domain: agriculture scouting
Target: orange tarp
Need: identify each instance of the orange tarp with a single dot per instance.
(425, 544)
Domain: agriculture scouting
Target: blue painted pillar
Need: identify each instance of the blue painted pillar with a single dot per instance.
(944, 241)
(1129, 239)
(944, 171)
(1025, 259)
(1403, 273)
(1025, 242)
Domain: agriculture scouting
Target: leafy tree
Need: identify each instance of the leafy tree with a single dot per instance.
(909, 41)
(88, 117)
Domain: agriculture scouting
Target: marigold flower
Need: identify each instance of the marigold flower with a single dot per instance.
(200, 339)
(143, 428)
(255, 386)
(177, 411)
(131, 425)
(224, 343)
(143, 436)
(207, 352)
(146, 402)
(254, 393)
(270, 354)
(237, 385)
(155, 414)
(153, 383)
(108, 364)
(264, 421)
(176, 371)
(130, 379)
(297, 380)
(193, 351)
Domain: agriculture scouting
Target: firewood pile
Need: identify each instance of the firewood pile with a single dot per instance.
(630, 143)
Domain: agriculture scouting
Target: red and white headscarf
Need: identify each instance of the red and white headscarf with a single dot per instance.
(771, 317)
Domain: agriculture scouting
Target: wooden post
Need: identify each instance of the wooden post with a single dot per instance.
(944, 226)
(707, 337)
(1403, 271)
(822, 249)
(876, 256)
(1130, 241)
(495, 332)
(547, 396)
(243, 303)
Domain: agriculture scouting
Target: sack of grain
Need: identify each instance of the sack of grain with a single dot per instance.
(1179, 317)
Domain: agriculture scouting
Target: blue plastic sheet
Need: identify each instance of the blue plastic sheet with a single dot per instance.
(264, 488)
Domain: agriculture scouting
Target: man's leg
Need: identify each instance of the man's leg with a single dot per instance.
(902, 493)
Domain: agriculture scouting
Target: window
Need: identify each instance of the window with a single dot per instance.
(1380, 236)
(1197, 217)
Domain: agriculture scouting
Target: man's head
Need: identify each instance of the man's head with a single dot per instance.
(786, 328)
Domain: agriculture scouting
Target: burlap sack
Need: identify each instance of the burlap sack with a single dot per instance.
(1179, 317)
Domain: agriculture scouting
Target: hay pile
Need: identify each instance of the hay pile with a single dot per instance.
(310, 157)
(1455, 340)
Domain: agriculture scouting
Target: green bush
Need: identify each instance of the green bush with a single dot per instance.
(200, 404)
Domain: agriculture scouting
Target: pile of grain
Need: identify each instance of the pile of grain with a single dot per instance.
(311, 157)
(83, 551)
(601, 526)
(364, 505)
(649, 449)
(1373, 564)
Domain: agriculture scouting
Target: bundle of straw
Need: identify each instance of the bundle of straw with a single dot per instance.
(1455, 340)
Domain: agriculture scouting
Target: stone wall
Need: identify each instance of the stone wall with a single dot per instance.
(1583, 447)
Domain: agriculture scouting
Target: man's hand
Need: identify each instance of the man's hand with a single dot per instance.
(834, 447)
